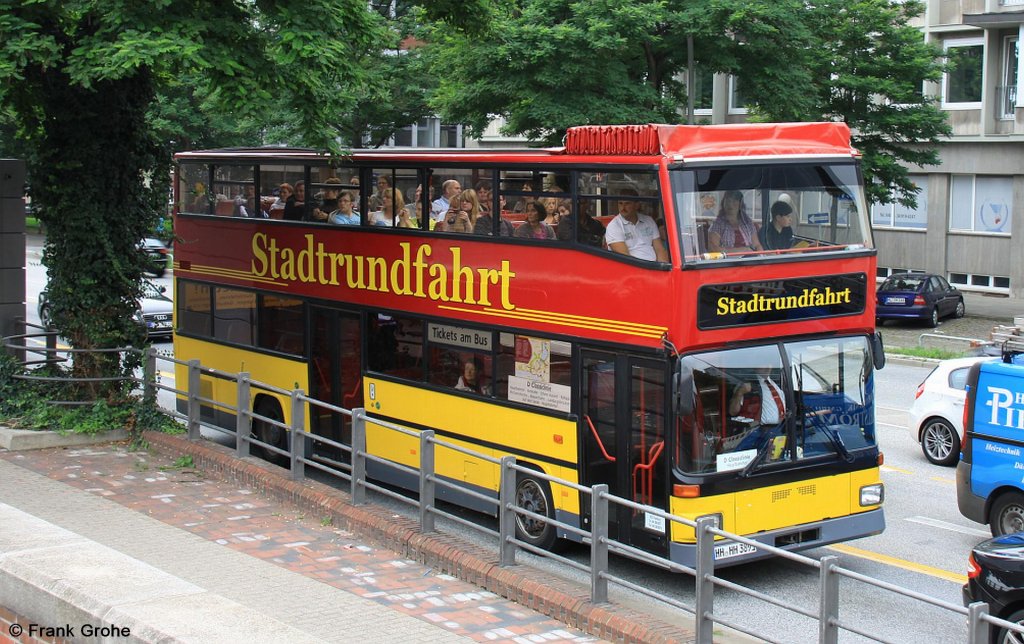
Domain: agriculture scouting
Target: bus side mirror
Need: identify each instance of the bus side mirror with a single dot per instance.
(877, 350)
(683, 381)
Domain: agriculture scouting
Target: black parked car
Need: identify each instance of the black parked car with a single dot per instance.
(917, 296)
(995, 575)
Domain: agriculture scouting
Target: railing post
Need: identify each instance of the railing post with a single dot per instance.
(704, 587)
(599, 543)
(149, 377)
(297, 435)
(193, 400)
(358, 479)
(507, 513)
(977, 628)
(243, 417)
(828, 611)
(51, 347)
(427, 481)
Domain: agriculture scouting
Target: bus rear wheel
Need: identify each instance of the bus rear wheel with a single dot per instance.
(535, 495)
(1007, 514)
(269, 433)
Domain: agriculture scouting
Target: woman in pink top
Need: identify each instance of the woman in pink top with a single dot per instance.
(733, 230)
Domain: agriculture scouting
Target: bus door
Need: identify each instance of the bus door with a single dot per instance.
(622, 422)
(335, 375)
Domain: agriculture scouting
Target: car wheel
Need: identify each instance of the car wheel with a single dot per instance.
(960, 310)
(269, 433)
(534, 494)
(1009, 637)
(1007, 514)
(933, 319)
(940, 442)
(159, 271)
(44, 315)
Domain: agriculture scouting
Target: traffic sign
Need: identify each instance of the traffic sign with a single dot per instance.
(817, 218)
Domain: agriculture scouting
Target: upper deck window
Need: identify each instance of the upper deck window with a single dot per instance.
(767, 210)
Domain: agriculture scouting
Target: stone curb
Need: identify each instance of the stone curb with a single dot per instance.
(550, 595)
(17, 440)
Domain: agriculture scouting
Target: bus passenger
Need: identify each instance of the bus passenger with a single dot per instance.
(377, 198)
(534, 226)
(733, 230)
(589, 231)
(417, 211)
(295, 206)
(330, 203)
(450, 189)
(485, 226)
(277, 208)
(345, 215)
(388, 214)
(484, 195)
(464, 214)
(525, 200)
(470, 380)
(778, 235)
(633, 233)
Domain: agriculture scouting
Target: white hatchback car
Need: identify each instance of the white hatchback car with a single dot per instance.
(937, 415)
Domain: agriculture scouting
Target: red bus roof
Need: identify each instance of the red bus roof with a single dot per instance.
(711, 141)
(609, 143)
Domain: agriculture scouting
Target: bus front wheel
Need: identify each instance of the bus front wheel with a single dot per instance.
(269, 433)
(535, 495)
(1007, 514)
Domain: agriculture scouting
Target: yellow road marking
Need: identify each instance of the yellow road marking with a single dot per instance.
(942, 479)
(899, 470)
(957, 578)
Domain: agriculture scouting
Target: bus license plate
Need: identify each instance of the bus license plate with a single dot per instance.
(895, 300)
(727, 550)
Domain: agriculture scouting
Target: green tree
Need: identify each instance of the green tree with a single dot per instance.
(545, 65)
(82, 82)
(875, 64)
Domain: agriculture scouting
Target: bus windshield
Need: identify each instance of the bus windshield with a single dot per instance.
(775, 406)
(769, 209)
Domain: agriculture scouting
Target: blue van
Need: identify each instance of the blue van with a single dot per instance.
(990, 475)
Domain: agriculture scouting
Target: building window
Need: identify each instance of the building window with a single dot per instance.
(896, 215)
(980, 204)
(961, 86)
(985, 283)
(703, 90)
(428, 133)
(1006, 93)
(737, 102)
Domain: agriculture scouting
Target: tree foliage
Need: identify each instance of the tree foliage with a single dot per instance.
(545, 65)
(85, 83)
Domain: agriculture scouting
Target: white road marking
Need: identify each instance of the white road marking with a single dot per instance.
(952, 527)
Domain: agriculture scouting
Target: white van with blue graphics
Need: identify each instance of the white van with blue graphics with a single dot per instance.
(990, 475)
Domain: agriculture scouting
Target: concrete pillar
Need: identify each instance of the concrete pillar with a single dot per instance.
(12, 245)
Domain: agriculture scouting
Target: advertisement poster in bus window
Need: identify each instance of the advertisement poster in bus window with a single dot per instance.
(531, 383)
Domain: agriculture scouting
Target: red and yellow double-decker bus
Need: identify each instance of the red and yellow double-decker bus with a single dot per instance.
(681, 312)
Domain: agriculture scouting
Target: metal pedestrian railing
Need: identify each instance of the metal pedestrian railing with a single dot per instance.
(706, 581)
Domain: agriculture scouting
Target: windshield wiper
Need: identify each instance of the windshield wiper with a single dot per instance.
(831, 434)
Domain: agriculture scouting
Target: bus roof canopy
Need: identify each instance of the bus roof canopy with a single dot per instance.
(691, 142)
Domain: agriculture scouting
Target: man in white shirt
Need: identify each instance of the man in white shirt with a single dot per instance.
(635, 234)
(450, 191)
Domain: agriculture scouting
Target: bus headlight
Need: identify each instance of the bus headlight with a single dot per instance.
(872, 494)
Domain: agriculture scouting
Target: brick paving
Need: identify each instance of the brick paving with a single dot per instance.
(245, 521)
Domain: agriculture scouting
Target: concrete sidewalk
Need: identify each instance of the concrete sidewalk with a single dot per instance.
(105, 537)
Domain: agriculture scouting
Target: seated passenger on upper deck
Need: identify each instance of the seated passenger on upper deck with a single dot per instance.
(388, 215)
(345, 215)
(534, 226)
(778, 235)
(589, 231)
(463, 215)
(633, 233)
(733, 230)
(450, 189)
